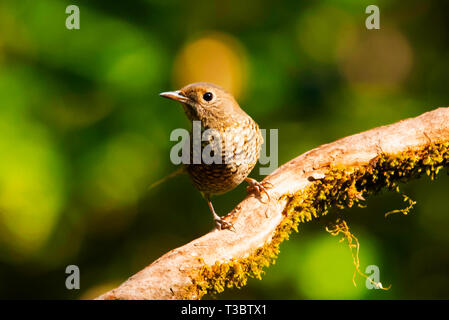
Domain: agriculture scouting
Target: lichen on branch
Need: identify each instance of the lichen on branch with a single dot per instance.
(342, 187)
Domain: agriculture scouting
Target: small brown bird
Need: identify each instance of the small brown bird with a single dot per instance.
(235, 141)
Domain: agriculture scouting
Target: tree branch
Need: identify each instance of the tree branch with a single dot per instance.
(337, 174)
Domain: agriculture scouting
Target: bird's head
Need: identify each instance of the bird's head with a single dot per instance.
(207, 102)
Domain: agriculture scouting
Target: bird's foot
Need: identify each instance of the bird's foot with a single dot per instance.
(258, 187)
(222, 224)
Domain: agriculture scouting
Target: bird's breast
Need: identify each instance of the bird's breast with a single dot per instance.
(227, 157)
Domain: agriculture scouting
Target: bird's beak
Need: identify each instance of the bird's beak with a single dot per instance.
(175, 95)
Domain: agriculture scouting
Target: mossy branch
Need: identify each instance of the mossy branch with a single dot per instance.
(339, 174)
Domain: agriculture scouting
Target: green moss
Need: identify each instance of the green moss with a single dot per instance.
(342, 187)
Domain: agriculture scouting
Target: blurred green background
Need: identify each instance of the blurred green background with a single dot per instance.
(83, 133)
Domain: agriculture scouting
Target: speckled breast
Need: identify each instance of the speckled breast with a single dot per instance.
(235, 151)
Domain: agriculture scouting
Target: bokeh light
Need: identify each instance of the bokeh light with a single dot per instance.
(213, 57)
(380, 59)
(319, 31)
(327, 268)
(32, 187)
(116, 174)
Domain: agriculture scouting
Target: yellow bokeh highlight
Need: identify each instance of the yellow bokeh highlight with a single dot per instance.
(214, 57)
(31, 187)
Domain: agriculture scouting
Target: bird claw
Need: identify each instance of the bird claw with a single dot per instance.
(259, 188)
(222, 224)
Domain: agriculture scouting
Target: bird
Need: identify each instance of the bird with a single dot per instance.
(235, 140)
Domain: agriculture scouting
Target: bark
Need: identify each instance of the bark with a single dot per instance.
(255, 222)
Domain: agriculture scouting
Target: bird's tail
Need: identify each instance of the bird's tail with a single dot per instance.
(177, 172)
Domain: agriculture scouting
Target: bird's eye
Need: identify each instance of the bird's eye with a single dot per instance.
(208, 96)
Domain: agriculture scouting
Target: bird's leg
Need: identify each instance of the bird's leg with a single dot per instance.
(219, 221)
(258, 187)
